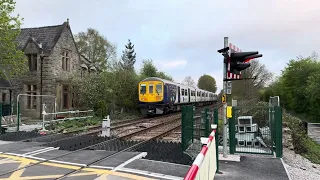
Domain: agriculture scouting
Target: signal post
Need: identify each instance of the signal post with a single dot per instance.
(234, 62)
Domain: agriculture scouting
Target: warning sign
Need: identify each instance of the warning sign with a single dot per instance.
(224, 98)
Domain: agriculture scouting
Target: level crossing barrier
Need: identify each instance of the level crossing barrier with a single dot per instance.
(205, 165)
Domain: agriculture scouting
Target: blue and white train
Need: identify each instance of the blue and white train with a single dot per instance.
(160, 96)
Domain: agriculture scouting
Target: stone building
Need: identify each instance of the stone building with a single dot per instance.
(55, 48)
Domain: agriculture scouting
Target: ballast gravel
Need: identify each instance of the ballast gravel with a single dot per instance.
(300, 168)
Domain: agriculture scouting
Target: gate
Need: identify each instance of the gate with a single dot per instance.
(256, 130)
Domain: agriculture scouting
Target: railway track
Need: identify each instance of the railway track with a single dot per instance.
(164, 124)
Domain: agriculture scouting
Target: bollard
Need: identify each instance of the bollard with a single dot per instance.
(106, 127)
(43, 117)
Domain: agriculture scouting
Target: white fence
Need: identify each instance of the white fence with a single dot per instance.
(205, 165)
(76, 116)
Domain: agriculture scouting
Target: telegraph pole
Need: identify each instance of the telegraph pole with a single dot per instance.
(225, 104)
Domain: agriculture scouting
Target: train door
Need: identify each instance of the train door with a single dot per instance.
(189, 94)
(178, 94)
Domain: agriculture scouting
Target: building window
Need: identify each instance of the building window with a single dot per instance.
(66, 61)
(32, 61)
(4, 97)
(32, 100)
(65, 97)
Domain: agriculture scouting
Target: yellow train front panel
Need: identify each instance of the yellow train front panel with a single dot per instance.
(150, 91)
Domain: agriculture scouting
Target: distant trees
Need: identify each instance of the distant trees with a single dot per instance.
(95, 47)
(208, 83)
(12, 60)
(128, 57)
(114, 90)
(188, 81)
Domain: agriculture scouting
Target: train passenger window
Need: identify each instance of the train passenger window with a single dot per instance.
(185, 92)
(159, 88)
(150, 88)
(143, 88)
(182, 92)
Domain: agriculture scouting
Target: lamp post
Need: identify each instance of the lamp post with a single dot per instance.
(41, 83)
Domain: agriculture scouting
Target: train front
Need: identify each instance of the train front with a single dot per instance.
(151, 93)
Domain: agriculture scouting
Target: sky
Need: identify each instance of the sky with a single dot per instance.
(182, 36)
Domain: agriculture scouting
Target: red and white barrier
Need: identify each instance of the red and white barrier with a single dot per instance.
(205, 165)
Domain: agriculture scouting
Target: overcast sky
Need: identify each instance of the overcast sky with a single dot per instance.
(183, 36)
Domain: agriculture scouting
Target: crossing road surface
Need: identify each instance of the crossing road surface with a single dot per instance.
(314, 131)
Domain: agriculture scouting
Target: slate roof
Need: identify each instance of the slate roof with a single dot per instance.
(5, 84)
(47, 36)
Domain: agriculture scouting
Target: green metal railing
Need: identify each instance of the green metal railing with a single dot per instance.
(187, 127)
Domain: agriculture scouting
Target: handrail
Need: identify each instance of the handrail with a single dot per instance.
(205, 165)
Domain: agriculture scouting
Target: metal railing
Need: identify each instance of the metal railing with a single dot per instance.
(74, 112)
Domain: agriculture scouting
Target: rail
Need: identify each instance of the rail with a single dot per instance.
(205, 165)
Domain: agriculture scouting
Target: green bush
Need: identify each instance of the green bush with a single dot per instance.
(302, 144)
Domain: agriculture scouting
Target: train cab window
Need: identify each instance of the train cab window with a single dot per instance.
(143, 88)
(159, 88)
(182, 92)
(150, 88)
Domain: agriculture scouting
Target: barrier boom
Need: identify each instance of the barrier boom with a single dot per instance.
(205, 165)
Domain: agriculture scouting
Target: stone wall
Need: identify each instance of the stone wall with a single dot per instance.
(60, 76)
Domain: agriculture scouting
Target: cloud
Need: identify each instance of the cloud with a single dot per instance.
(170, 64)
(185, 43)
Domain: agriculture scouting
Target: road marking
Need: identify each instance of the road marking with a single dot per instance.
(26, 154)
(147, 173)
(29, 153)
(44, 151)
(130, 176)
(90, 171)
(165, 162)
(15, 175)
(139, 156)
(101, 167)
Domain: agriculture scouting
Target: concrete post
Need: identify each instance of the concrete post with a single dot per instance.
(106, 127)
(43, 116)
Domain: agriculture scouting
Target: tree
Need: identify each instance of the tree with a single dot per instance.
(95, 47)
(208, 83)
(256, 78)
(163, 75)
(312, 94)
(129, 57)
(188, 81)
(296, 78)
(12, 60)
(148, 69)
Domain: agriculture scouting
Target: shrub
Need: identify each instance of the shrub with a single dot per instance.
(302, 144)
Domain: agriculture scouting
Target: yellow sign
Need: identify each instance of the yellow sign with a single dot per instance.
(224, 98)
(229, 111)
